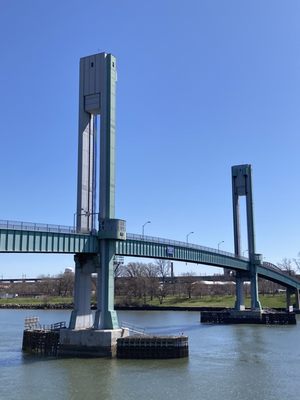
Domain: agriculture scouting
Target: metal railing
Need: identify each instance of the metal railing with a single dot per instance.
(132, 328)
(31, 226)
(35, 227)
(33, 324)
(170, 242)
(272, 266)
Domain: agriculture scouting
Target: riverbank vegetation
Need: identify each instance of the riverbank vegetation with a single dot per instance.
(268, 301)
(141, 285)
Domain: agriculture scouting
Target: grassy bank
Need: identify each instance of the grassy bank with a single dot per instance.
(267, 301)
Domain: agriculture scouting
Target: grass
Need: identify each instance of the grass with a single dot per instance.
(267, 301)
(37, 301)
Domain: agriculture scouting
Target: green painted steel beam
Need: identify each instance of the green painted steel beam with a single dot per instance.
(27, 241)
(136, 248)
(22, 241)
(278, 277)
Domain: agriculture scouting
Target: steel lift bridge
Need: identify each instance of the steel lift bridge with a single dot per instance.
(95, 244)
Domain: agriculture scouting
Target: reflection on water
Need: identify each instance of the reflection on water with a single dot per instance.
(229, 362)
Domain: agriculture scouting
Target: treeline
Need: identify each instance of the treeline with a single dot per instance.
(61, 285)
(140, 283)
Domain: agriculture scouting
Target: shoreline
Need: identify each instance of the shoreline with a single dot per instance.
(64, 306)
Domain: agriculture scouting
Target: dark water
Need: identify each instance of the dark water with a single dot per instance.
(226, 362)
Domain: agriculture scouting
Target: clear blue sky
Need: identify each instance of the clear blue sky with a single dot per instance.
(202, 85)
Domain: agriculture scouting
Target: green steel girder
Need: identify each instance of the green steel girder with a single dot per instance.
(26, 241)
(278, 277)
(136, 248)
(22, 241)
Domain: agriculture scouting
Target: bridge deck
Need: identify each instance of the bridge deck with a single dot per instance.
(20, 237)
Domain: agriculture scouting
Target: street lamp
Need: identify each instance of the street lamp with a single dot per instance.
(143, 227)
(219, 244)
(187, 237)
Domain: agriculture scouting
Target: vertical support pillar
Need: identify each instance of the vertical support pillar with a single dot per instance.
(106, 316)
(89, 103)
(239, 290)
(242, 186)
(288, 298)
(236, 219)
(297, 299)
(81, 317)
(255, 303)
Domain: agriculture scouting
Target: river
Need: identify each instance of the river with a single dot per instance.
(226, 362)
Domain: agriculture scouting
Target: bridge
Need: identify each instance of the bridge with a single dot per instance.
(26, 237)
(96, 241)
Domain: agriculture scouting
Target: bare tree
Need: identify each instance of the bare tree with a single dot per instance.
(188, 283)
(287, 265)
(163, 268)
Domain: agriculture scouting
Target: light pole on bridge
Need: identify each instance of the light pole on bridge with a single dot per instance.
(143, 228)
(187, 237)
(220, 244)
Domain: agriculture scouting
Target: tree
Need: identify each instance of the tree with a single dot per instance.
(287, 265)
(163, 268)
(188, 284)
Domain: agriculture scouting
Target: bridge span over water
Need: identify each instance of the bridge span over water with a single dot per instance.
(26, 237)
(95, 243)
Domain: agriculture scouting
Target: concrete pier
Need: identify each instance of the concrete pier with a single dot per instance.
(248, 317)
(141, 347)
(90, 342)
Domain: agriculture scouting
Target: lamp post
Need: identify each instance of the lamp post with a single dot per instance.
(219, 244)
(143, 227)
(187, 237)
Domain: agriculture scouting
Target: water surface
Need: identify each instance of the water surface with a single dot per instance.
(226, 362)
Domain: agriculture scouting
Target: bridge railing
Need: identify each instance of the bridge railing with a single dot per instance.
(272, 266)
(170, 242)
(30, 226)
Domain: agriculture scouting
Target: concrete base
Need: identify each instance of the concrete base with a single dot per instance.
(90, 342)
(248, 317)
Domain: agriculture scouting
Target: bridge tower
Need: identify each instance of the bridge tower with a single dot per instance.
(242, 186)
(97, 97)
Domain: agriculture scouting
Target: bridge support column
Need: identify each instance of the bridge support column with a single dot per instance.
(297, 300)
(81, 317)
(106, 316)
(242, 186)
(288, 298)
(255, 303)
(239, 292)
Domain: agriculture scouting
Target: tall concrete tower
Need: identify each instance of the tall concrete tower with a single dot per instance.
(97, 96)
(242, 186)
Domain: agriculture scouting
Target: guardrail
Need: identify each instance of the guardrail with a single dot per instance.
(170, 242)
(132, 328)
(33, 324)
(272, 266)
(30, 226)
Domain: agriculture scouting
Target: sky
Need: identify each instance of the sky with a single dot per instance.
(202, 85)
